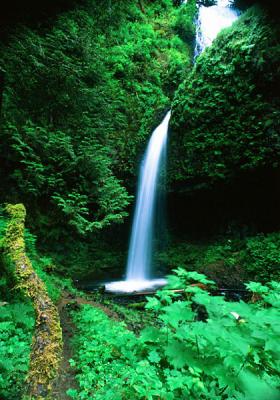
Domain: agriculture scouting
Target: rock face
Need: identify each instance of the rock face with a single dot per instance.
(224, 143)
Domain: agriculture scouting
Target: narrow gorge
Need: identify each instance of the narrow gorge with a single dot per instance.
(139, 217)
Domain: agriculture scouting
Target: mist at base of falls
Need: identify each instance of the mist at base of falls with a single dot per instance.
(130, 286)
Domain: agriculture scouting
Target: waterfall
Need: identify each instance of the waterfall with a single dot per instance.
(211, 20)
(140, 248)
(138, 274)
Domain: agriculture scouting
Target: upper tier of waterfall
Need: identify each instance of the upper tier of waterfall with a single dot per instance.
(211, 20)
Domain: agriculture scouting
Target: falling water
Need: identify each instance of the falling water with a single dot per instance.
(140, 249)
(138, 275)
(211, 20)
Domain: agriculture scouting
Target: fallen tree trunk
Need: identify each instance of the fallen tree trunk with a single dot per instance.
(47, 339)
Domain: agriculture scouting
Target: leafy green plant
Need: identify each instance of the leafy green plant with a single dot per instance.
(16, 328)
(204, 347)
(184, 23)
(262, 257)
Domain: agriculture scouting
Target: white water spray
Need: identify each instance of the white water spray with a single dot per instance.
(211, 20)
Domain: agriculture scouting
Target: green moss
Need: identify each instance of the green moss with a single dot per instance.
(226, 115)
(47, 340)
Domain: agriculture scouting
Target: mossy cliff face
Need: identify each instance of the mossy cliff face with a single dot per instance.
(47, 339)
(224, 145)
(226, 114)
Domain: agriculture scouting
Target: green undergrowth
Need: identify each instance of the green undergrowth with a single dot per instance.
(204, 347)
(134, 315)
(45, 268)
(17, 321)
(47, 336)
(16, 329)
(17, 315)
(230, 261)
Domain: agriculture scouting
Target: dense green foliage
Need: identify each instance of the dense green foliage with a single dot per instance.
(45, 269)
(229, 260)
(77, 95)
(226, 114)
(17, 316)
(262, 257)
(16, 328)
(81, 95)
(203, 349)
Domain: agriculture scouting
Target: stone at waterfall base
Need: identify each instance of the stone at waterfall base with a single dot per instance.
(131, 286)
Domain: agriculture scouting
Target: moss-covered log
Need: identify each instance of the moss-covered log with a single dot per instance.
(47, 339)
